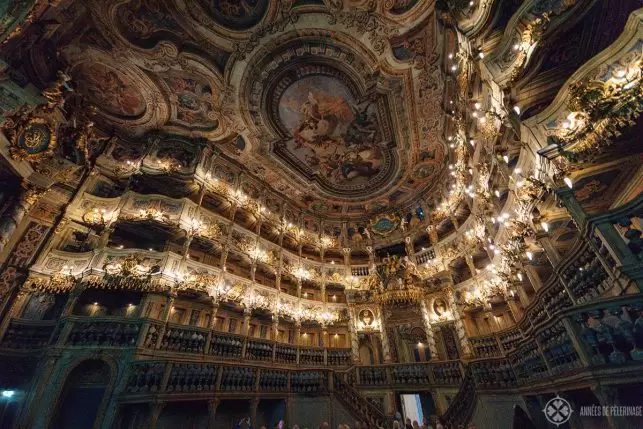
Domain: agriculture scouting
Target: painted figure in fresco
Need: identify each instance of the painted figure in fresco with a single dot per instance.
(110, 92)
(332, 133)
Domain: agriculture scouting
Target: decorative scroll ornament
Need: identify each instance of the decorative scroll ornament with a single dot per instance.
(255, 300)
(96, 219)
(152, 213)
(130, 266)
(61, 281)
(199, 228)
(208, 283)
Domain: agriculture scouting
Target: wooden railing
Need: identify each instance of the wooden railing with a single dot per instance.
(581, 338)
(149, 334)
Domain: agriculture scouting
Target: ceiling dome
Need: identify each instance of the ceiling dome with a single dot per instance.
(326, 114)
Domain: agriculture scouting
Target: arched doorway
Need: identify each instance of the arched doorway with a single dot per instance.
(81, 397)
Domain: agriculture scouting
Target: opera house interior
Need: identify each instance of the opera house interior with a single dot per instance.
(360, 214)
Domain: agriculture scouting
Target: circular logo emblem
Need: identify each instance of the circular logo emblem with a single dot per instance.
(558, 411)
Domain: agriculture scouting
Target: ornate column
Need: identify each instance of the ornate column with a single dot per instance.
(254, 404)
(275, 327)
(472, 267)
(213, 404)
(155, 412)
(386, 345)
(609, 397)
(459, 325)
(552, 254)
(297, 333)
(430, 337)
(568, 199)
(535, 281)
(167, 312)
(433, 234)
(408, 245)
(245, 327)
(347, 260)
(324, 335)
(25, 201)
(353, 339)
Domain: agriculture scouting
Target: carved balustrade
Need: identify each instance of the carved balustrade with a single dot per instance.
(192, 377)
(286, 354)
(558, 349)
(27, 334)
(309, 382)
(238, 378)
(338, 357)
(273, 381)
(259, 350)
(486, 346)
(145, 377)
(226, 345)
(586, 277)
(177, 338)
(312, 356)
(373, 376)
(447, 373)
(411, 374)
(529, 363)
(103, 332)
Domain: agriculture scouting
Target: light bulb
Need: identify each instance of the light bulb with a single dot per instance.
(568, 182)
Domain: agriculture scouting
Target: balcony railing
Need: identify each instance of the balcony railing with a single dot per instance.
(147, 335)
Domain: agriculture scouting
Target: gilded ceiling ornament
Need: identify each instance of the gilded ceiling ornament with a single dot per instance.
(367, 21)
(600, 109)
(33, 138)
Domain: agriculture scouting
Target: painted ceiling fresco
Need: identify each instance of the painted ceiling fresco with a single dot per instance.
(331, 135)
(308, 96)
(116, 94)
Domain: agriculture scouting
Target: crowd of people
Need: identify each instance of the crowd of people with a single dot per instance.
(397, 424)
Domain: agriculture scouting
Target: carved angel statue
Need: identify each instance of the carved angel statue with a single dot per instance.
(55, 93)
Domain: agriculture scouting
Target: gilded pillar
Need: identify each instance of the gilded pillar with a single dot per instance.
(430, 337)
(12, 219)
(213, 404)
(245, 327)
(352, 338)
(459, 326)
